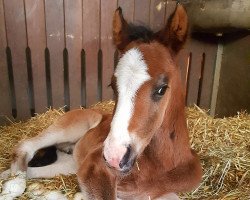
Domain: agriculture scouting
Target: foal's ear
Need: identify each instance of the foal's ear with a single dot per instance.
(175, 33)
(120, 29)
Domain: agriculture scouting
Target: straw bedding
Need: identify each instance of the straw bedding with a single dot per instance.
(222, 144)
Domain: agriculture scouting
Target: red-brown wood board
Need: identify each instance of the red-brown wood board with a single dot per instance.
(61, 53)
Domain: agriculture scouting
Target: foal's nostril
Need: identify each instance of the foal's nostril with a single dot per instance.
(104, 157)
(125, 158)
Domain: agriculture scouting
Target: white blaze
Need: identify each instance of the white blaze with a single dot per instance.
(131, 73)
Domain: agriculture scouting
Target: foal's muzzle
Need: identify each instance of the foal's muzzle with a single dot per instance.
(124, 164)
(127, 161)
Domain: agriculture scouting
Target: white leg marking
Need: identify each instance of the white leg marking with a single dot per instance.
(14, 187)
(59, 132)
(65, 164)
(45, 139)
(80, 196)
(66, 147)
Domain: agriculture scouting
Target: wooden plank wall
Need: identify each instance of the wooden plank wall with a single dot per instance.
(59, 53)
(91, 46)
(36, 32)
(17, 42)
(5, 105)
(73, 44)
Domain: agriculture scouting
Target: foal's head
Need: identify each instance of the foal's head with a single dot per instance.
(147, 86)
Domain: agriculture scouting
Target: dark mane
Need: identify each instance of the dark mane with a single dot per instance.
(141, 33)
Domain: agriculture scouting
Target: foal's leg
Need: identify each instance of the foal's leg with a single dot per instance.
(67, 129)
(64, 164)
(95, 180)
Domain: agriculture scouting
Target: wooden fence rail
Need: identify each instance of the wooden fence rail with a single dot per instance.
(56, 53)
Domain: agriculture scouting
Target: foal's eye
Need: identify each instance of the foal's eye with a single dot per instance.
(161, 91)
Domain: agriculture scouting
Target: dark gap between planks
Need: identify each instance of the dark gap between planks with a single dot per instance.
(83, 78)
(48, 78)
(203, 60)
(30, 82)
(100, 71)
(66, 80)
(11, 81)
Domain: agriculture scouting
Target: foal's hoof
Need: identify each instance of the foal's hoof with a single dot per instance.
(14, 187)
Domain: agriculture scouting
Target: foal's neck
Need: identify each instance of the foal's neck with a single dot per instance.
(170, 145)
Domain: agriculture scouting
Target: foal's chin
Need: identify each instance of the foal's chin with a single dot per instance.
(128, 167)
(125, 170)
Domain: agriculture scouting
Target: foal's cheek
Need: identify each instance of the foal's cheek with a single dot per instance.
(157, 114)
